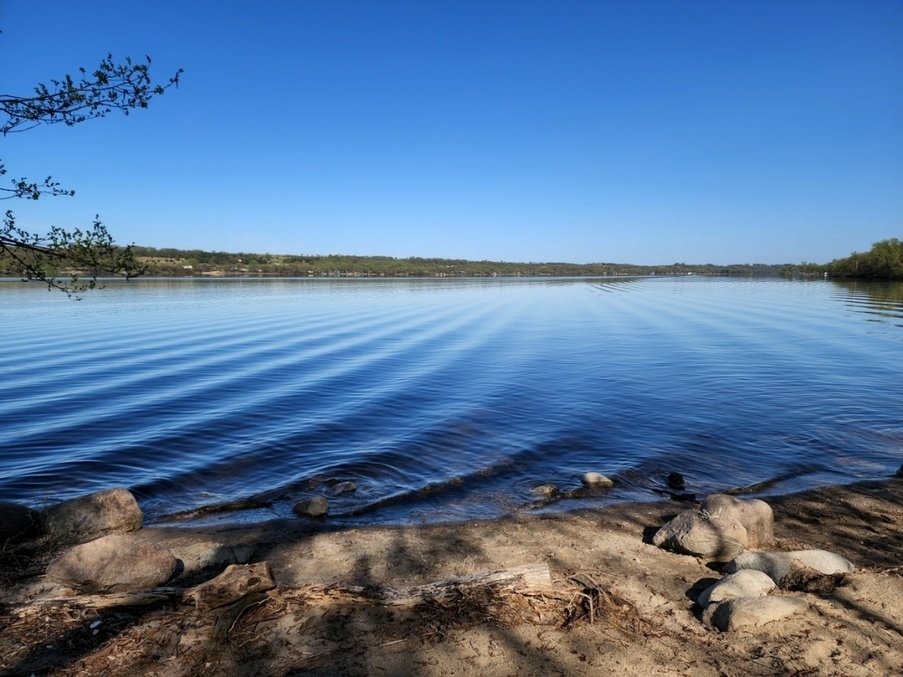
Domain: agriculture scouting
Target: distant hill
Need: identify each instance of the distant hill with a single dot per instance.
(195, 262)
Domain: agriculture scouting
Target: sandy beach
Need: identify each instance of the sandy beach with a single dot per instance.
(616, 604)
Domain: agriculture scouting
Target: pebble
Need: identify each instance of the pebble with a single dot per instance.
(317, 506)
(596, 480)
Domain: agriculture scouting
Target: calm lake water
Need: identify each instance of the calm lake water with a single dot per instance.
(444, 399)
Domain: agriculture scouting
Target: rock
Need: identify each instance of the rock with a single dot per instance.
(756, 516)
(317, 506)
(114, 563)
(676, 481)
(344, 488)
(545, 490)
(744, 583)
(779, 564)
(597, 481)
(18, 522)
(751, 612)
(702, 535)
(81, 519)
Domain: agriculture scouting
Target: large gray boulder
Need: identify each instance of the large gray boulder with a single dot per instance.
(744, 583)
(114, 563)
(702, 535)
(778, 564)
(741, 613)
(82, 519)
(756, 516)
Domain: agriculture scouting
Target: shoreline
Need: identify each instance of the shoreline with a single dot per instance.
(653, 627)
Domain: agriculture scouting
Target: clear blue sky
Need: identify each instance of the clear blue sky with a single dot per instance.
(639, 131)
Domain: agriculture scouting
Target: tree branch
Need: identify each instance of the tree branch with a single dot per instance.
(111, 87)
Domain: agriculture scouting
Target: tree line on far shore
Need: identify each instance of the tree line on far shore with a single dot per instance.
(176, 262)
(883, 261)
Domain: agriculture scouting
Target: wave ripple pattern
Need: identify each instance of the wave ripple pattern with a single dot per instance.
(444, 399)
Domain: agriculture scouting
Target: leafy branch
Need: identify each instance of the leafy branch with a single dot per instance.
(111, 87)
(74, 253)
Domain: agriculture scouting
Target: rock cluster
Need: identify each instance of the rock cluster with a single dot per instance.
(721, 530)
(101, 555)
(741, 599)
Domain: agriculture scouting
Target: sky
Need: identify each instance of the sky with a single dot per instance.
(643, 131)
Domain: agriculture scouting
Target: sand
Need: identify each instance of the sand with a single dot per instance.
(321, 618)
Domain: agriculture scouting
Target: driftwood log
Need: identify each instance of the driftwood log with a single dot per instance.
(230, 586)
(247, 582)
(236, 582)
(526, 578)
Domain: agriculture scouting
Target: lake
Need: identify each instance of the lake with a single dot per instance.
(444, 399)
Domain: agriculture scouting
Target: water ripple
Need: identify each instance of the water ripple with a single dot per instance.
(445, 399)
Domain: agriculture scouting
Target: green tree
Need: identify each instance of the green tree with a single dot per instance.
(111, 87)
(884, 260)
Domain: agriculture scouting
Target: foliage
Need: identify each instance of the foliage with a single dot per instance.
(171, 262)
(111, 87)
(44, 257)
(883, 261)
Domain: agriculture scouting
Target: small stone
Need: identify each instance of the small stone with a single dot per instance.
(114, 563)
(344, 488)
(676, 481)
(751, 612)
(702, 535)
(597, 480)
(317, 506)
(82, 519)
(545, 490)
(745, 583)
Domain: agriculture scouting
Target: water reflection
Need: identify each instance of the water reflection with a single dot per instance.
(878, 298)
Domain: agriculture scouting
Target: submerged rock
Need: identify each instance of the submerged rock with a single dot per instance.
(348, 487)
(317, 506)
(596, 480)
(676, 481)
